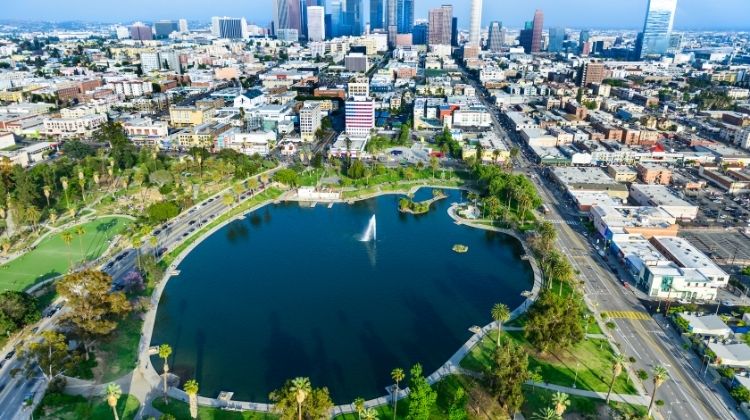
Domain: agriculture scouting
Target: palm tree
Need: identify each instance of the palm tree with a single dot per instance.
(397, 375)
(33, 215)
(301, 388)
(52, 216)
(191, 389)
(82, 183)
(113, 393)
(67, 238)
(64, 183)
(137, 242)
(618, 363)
(659, 376)
(369, 414)
(80, 231)
(359, 405)
(561, 401)
(500, 313)
(47, 190)
(546, 414)
(165, 350)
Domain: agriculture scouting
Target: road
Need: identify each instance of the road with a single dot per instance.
(14, 390)
(686, 394)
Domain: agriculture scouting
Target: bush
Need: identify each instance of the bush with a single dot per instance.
(57, 385)
(740, 394)
(163, 211)
(642, 374)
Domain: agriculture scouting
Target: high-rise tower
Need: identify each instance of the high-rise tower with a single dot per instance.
(475, 32)
(657, 28)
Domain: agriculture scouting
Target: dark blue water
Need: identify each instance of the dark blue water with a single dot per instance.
(291, 291)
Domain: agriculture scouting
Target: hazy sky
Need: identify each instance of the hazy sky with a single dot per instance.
(691, 14)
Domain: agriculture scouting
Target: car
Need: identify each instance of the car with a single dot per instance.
(157, 232)
(192, 222)
(727, 303)
(10, 354)
(109, 265)
(204, 220)
(29, 399)
(184, 234)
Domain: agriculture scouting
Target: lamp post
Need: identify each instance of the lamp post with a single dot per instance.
(576, 377)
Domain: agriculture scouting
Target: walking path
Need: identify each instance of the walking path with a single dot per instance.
(623, 398)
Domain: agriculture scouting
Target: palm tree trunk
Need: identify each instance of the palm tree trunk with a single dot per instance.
(166, 371)
(611, 385)
(499, 329)
(114, 412)
(395, 402)
(651, 404)
(299, 411)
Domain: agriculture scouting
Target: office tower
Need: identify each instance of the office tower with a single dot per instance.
(475, 30)
(454, 32)
(405, 16)
(163, 28)
(657, 28)
(591, 73)
(360, 116)
(556, 40)
(376, 15)
(495, 39)
(149, 62)
(391, 21)
(584, 37)
(183, 26)
(316, 26)
(530, 37)
(675, 43)
(228, 27)
(287, 15)
(419, 34)
(335, 8)
(141, 32)
(440, 25)
(350, 23)
(309, 119)
(328, 26)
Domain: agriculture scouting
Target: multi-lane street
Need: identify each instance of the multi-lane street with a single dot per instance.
(687, 394)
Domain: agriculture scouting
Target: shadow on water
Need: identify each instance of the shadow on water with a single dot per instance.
(255, 219)
(200, 350)
(237, 231)
(376, 351)
(325, 366)
(284, 346)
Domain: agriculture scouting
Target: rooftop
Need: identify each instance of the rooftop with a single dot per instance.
(660, 195)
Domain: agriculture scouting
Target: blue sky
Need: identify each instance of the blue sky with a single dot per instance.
(691, 14)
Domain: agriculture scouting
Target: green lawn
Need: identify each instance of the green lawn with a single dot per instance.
(180, 411)
(118, 352)
(537, 399)
(590, 358)
(74, 407)
(52, 257)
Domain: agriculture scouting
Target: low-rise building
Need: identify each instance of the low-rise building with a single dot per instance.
(73, 127)
(706, 325)
(662, 197)
(654, 174)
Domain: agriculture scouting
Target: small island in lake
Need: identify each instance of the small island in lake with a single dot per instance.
(460, 248)
(407, 205)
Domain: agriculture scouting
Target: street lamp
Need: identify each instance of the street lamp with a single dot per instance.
(576, 377)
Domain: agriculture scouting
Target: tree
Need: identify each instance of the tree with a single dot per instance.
(356, 170)
(191, 389)
(500, 313)
(19, 309)
(47, 191)
(359, 405)
(434, 165)
(316, 405)
(286, 177)
(227, 199)
(492, 205)
(397, 375)
(457, 409)
(301, 388)
(546, 414)
(506, 375)
(80, 231)
(162, 211)
(555, 322)
(113, 393)
(422, 397)
(561, 401)
(67, 238)
(740, 394)
(65, 185)
(33, 215)
(165, 350)
(369, 414)
(48, 353)
(618, 363)
(659, 376)
(94, 308)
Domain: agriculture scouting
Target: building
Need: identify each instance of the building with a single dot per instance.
(440, 24)
(351, 18)
(183, 26)
(310, 118)
(163, 28)
(454, 32)
(419, 34)
(391, 21)
(376, 14)
(145, 131)
(622, 173)
(360, 116)
(228, 27)
(132, 88)
(287, 14)
(530, 37)
(706, 325)
(316, 26)
(657, 28)
(650, 173)
(495, 39)
(405, 16)
(186, 116)
(475, 29)
(660, 196)
(592, 73)
(731, 355)
(141, 32)
(78, 126)
(615, 223)
(556, 40)
(357, 62)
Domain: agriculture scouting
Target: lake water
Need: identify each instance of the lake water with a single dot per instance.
(292, 291)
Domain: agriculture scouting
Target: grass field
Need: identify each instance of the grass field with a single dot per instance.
(588, 364)
(53, 257)
(73, 407)
(180, 410)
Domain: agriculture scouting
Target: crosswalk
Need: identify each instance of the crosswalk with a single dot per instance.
(635, 315)
(563, 222)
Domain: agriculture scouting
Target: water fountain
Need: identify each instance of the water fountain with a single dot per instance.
(370, 233)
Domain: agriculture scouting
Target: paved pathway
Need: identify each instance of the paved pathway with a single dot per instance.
(624, 398)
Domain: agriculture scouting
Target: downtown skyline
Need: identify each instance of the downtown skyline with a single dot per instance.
(691, 14)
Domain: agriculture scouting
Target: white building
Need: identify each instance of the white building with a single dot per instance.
(145, 131)
(475, 30)
(661, 196)
(132, 88)
(360, 116)
(707, 325)
(309, 121)
(73, 127)
(733, 355)
(316, 27)
(257, 142)
(472, 116)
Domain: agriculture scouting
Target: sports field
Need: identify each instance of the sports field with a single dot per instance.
(52, 256)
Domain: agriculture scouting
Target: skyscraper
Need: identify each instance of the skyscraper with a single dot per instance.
(405, 16)
(454, 32)
(183, 24)
(530, 37)
(287, 15)
(141, 32)
(556, 40)
(419, 34)
(228, 27)
(335, 9)
(351, 18)
(163, 28)
(391, 22)
(495, 39)
(440, 25)
(316, 27)
(376, 14)
(657, 29)
(475, 32)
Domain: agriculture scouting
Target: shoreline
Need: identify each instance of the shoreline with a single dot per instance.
(451, 366)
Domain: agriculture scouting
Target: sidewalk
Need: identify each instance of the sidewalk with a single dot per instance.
(624, 398)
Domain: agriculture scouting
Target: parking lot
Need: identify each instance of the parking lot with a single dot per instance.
(726, 247)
